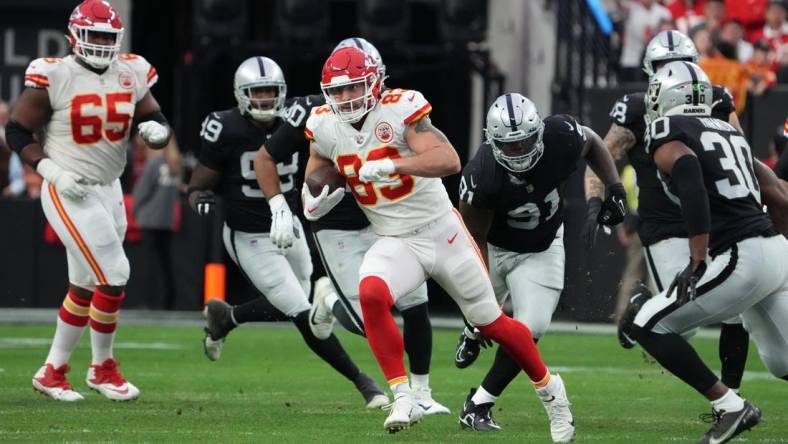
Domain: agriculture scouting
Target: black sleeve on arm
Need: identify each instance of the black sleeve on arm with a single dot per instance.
(285, 141)
(156, 116)
(687, 177)
(17, 136)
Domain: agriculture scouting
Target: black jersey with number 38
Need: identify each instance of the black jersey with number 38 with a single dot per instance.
(660, 218)
(727, 164)
(229, 143)
(527, 207)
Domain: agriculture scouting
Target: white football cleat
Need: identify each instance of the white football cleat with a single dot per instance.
(553, 396)
(321, 318)
(404, 412)
(51, 381)
(106, 379)
(212, 349)
(423, 397)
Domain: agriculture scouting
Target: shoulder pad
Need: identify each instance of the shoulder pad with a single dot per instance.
(317, 116)
(141, 68)
(628, 110)
(409, 104)
(37, 73)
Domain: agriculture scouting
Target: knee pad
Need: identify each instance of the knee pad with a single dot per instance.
(374, 292)
(119, 274)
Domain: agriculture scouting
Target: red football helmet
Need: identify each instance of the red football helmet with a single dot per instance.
(351, 83)
(95, 20)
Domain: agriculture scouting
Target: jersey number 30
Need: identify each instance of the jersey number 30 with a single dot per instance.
(367, 193)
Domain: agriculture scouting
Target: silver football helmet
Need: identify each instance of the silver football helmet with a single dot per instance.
(668, 46)
(368, 48)
(679, 88)
(514, 131)
(260, 72)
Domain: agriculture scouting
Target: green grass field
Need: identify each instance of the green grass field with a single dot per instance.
(269, 388)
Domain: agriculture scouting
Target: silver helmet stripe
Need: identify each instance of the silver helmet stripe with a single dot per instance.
(510, 110)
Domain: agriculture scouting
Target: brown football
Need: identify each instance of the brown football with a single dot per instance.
(326, 175)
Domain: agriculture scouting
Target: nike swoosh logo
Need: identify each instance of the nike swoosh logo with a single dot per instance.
(424, 407)
(632, 299)
(311, 210)
(571, 128)
(308, 101)
(473, 185)
(451, 239)
(549, 400)
(412, 96)
(312, 318)
(120, 392)
(626, 98)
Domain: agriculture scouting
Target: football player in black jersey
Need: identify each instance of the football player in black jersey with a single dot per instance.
(510, 201)
(706, 166)
(342, 238)
(277, 264)
(661, 228)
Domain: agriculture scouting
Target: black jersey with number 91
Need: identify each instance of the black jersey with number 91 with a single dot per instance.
(527, 207)
(727, 164)
(229, 143)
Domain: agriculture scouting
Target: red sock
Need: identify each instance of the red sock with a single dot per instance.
(104, 309)
(74, 310)
(383, 335)
(516, 339)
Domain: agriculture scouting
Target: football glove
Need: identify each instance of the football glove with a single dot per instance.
(614, 207)
(318, 206)
(69, 184)
(205, 202)
(153, 133)
(282, 229)
(376, 171)
(685, 283)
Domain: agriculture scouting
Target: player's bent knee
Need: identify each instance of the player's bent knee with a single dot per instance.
(119, 274)
(777, 365)
(374, 293)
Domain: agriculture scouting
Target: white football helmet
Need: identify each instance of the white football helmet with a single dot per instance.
(514, 130)
(260, 72)
(668, 46)
(679, 88)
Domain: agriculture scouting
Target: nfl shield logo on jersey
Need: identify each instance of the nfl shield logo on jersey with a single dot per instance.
(384, 132)
(126, 79)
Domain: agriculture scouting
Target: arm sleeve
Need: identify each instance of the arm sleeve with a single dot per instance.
(687, 177)
(285, 141)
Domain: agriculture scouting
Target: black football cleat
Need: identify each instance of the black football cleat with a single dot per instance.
(729, 424)
(220, 322)
(640, 295)
(478, 417)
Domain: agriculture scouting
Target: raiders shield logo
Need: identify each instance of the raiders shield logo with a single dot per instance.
(384, 132)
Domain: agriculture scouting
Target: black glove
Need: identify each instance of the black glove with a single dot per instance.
(205, 202)
(684, 283)
(614, 208)
(592, 224)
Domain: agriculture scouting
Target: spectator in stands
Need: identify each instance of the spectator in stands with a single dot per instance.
(732, 32)
(750, 13)
(701, 37)
(776, 28)
(686, 13)
(642, 22)
(724, 69)
(761, 75)
(157, 211)
(713, 14)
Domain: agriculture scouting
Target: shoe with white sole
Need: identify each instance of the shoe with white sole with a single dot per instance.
(106, 379)
(556, 403)
(403, 413)
(321, 318)
(52, 382)
(423, 397)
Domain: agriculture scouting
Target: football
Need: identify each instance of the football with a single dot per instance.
(326, 175)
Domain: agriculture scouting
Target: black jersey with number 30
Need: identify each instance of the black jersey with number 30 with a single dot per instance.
(727, 164)
(527, 207)
(289, 139)
(660, 218)
(229, 144)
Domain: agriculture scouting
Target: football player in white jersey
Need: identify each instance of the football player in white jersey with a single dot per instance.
(393, 158)
(86, 104)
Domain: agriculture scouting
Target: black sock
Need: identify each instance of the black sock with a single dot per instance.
(344, 319)
(678, 357)
(256, 310)
(330, 349)
(502, 372)
(734, 344)
(418, 338)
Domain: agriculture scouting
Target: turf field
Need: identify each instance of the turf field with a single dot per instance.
(268, 388)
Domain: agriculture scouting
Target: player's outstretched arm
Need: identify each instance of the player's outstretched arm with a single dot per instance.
(618, 140)
(774, 193)
(679, 162)
(478, 221)
(599, 159)
(266, 173)
(435, 155)
(151, 123)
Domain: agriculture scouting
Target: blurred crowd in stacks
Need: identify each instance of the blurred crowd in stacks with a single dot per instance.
(743, 44)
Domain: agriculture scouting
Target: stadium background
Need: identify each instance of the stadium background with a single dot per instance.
(461, 54)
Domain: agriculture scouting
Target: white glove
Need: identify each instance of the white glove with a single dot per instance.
(376, 171)
(318, 206)
(153, 133)
(282, 231)
(67, 183)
